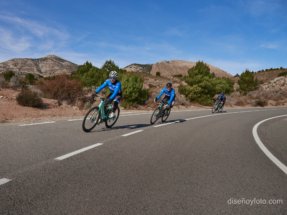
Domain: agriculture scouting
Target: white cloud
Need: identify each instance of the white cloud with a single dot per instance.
(10, 42)
(19, 35)
(269, 46)
(261, 7)
(36, 28)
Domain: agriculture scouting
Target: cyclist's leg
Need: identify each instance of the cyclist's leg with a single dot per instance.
(116, 103)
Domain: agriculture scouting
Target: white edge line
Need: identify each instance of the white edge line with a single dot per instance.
(72, 120)
(4, 180)
(275, 160)
(217, 114)
(135, 114)
(199, 117)
(131, 133)
(38, 123)
(78, 152)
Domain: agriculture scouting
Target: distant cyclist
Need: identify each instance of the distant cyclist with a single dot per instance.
(222, 99)
(169, 95)
(115, 87)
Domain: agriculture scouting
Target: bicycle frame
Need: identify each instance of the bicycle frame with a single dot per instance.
(102, 111)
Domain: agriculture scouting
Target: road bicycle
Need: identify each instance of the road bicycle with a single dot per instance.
(100, 114)
(217, 106)
(160, 112)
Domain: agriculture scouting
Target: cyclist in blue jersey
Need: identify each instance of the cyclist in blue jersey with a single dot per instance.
(115, 87)
(169, 95)
(220, 98)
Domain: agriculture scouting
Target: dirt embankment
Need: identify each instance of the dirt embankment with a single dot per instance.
(11, 111)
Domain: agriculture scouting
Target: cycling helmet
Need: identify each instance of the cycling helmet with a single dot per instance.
(113, 75)
(169, 84)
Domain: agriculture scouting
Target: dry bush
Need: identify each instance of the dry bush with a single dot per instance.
(30, 99)
(260, 103)
(61, 88)
(240, 102)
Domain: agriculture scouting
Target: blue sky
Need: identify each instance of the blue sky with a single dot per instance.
(232, 35)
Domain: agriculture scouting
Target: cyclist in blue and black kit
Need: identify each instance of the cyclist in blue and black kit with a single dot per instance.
(169, 95)
(115, 87)
(221, 98)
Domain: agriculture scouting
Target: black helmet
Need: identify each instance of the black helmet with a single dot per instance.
(169, 84)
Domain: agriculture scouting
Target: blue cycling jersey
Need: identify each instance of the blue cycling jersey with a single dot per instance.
(169, 93)
(221, 97)
(115, 88)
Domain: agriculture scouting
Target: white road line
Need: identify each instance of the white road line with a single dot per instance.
(135, 114)
(199, 117)
(4, 180)
(78, 152)
(131, 133)
(222, 114)
(165, 124)
(38, 123)
(275, 160)
(72, 120)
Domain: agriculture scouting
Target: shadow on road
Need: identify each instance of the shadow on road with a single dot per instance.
(136, 126)
(174, 120)
(131, 126)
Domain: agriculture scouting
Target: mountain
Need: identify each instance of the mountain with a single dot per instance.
(172, 68)
(47, 66)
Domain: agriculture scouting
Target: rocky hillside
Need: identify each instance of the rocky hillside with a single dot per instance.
(269, 74)
(145, 68)
(172, 68)
(274, 90)
(47, 66)
(178, 67)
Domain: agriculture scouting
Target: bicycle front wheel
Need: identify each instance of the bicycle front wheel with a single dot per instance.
(91, 119)
(155, 115)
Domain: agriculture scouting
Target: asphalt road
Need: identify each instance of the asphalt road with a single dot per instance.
(197, 163)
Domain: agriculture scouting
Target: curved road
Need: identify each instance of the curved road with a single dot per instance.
(197, 163)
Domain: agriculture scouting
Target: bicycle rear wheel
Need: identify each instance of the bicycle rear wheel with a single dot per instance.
(165, 114)
(91, 119)
(112, 120)
(155, 115)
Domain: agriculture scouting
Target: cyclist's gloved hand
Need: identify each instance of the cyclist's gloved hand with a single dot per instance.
(155, 99)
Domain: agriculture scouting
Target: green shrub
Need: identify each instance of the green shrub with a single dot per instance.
(8, 75)
(90, 75)
(30, 78)
(203, 85)
(157, 74)
(247, 82)
(28, 98)
(133, 91)
(283, 73)
(110, 65)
